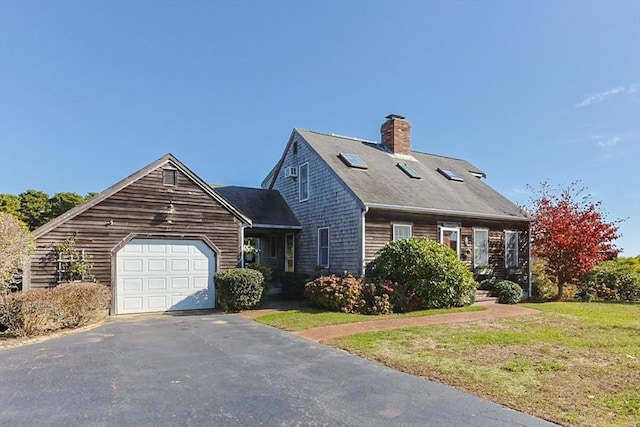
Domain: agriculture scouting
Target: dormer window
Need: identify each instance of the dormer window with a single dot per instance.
(451, 175)
(353, 161)
(411, 172)
(169, 177)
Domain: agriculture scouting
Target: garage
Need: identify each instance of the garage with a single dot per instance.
(164, 275)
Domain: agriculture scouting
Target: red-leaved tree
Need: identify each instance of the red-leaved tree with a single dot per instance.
(570, 233)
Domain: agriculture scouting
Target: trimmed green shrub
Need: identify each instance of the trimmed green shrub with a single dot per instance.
(614, 280)
(337, 293)
(238, 288)
(293, 285)
(488, 284)
(508, 292)
(45, 310)
(430, 270)
(267, 273)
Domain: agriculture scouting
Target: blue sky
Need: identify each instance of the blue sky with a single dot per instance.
(91, 91)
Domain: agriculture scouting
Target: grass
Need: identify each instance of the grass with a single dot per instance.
(308, 317)
(576, 364)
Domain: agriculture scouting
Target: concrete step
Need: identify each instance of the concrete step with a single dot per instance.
(483, 296)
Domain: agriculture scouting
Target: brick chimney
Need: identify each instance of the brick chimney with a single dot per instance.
(396, 134)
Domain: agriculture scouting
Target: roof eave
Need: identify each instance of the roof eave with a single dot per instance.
(417, 209)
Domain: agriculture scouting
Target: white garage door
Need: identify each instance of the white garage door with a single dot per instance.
(163, 275)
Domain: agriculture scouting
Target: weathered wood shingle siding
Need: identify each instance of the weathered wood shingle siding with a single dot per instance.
(137, 209)
(330, 204)
(379, 230)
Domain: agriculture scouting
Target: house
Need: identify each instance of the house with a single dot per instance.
(330, 203)
(352, 196)
(157, 237)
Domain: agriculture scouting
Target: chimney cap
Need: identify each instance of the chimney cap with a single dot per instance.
(394, 116)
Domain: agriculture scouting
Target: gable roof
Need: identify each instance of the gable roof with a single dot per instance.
(169, 159)
(266, 208)
(384, 185)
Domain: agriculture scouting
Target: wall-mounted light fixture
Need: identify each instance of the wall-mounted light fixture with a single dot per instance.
(169, 211)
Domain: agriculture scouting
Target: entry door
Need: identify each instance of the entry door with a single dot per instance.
(450, 237)
(289, 252)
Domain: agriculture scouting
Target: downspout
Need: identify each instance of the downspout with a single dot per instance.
(362, 246)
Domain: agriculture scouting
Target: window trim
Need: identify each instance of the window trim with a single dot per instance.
(506, 248)
(300, 183)
(165, 173)
(485, 230)
(320, 247)
(401, 224)
(457, 230)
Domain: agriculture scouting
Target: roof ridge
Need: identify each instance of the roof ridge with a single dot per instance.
(335, 135)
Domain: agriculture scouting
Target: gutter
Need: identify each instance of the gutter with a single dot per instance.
(415, 209)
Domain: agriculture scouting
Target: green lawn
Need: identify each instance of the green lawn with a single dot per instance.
(308, 317)
(573, 363)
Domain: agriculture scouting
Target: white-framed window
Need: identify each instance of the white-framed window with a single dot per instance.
(480, 247)
(401, 231)
(450, 237)
(510, 249)
(303, 182)
(323, 247)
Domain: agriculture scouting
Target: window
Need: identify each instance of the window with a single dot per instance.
(451, 175)
(450, 237)
(303, 186)
(353, 161)
(480, 247)
(510, 249)
(401, 231)
(273, 246)
(323, 247)
(169, 177)
(411, 172)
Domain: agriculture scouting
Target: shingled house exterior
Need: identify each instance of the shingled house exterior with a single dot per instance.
(352, 196)
(330, 203)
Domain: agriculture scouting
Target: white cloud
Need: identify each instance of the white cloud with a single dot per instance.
(608, 142)
(597, 98)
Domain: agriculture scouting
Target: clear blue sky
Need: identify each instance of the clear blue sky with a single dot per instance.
(91, 91)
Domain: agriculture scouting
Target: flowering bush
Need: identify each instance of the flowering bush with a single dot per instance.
(338, 293)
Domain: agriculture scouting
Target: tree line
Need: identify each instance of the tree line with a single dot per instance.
(35, 207)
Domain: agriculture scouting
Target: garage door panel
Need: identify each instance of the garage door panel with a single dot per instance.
(160, 275)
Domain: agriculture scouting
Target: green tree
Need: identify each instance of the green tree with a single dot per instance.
(62, 202)
(34, 208)
(10, 203)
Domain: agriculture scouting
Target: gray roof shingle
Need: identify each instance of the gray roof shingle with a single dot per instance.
(384, 184)
(266, 208)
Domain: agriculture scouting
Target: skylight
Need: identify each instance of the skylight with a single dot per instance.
(409, 170)
(450, 174)
(353, 161)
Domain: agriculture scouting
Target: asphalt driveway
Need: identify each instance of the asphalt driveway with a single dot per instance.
(219, 370)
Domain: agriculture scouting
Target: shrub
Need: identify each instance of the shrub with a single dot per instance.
(337, 293)
(375, 299)
(16, 245)
(430, 270)
(238, 288)
(614, 280)
(508, 292)
(488, 284)
(45, 310)
(267, 273)
(293, 285)
(543, 285)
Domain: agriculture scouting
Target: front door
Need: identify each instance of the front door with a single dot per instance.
(289, 252)
(450, 237)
